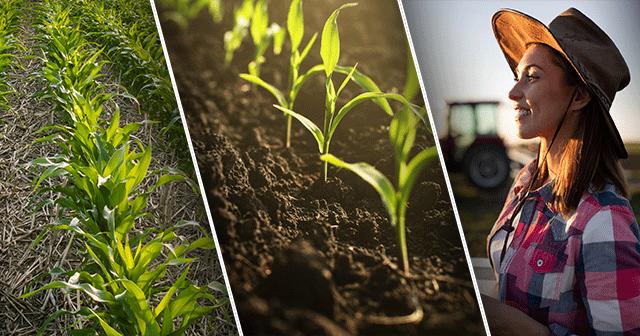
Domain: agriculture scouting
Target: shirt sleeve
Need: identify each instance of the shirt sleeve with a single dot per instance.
(608, 272)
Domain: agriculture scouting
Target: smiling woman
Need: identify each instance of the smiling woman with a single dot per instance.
(565, 247)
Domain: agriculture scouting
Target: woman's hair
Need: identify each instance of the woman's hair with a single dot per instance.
(589, 159)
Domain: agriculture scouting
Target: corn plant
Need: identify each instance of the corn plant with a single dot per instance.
(262, 33)
(295, 27)
(102, 202)
(330, 53)
(9, 19)
(241, 21)
(115, 273)
(134, 49)
(183, 11)
(402, 133)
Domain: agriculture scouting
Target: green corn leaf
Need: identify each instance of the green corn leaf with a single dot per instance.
(203, 243)
(272, 89)
(357, 100)
(415, 166)
(317, 133)
(218, 286)
(144, 256)
(140, 308)
(259, 22)
(138, 172)
(185, 301)
(378, 181)
(412, 83)
(367, 84)
(330, 43)
(147, 279)
(295, 24)
(95, 294)
(115, 161)
(110, 331)
(306, 49)
(279, 35)
(346, 80)
(164, 303)
(113, 125)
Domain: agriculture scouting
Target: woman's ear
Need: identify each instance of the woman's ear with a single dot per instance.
(582, 98)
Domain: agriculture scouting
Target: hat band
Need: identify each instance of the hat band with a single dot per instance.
(586, 75)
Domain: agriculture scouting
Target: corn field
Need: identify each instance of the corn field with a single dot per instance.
(103, 229)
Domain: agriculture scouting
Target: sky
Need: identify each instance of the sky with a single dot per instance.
(459, 59)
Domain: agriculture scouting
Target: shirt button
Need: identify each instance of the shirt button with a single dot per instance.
(539, 262)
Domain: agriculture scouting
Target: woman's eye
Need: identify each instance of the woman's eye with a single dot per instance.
(527, 77)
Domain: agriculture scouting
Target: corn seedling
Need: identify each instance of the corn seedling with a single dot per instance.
(183, 11)
(330, 52)
(262, 33)
(402, 132)
(135, 50)
(233, 38)
(295, 27)
(9, 20)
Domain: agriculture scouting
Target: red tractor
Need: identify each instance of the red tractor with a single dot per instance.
(472, 144)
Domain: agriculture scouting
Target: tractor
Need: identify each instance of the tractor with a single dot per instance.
(473, 146)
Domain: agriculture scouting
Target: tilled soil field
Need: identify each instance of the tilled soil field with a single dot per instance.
(304, 256)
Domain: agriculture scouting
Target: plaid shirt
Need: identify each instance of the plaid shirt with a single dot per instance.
(578, 275)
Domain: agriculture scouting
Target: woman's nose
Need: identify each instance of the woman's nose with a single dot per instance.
(515, 93)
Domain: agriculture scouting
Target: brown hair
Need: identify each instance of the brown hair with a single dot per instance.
(589, 160)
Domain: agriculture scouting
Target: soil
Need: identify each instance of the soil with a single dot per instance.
(304, 256)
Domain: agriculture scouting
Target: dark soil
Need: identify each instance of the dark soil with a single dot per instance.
(304, 256)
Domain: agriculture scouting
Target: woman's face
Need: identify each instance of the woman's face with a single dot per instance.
(540, 94)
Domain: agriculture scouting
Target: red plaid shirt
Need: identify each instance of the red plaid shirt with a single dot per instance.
(578, 275)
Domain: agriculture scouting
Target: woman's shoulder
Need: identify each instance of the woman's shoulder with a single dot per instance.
(605, 208)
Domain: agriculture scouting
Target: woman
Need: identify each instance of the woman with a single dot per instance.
(566, 247)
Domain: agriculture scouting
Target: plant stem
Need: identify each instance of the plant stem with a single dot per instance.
(402, 241)
(288, 141)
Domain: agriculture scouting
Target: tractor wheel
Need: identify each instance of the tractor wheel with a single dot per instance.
(487, 166)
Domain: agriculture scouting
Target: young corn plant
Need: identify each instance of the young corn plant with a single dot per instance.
(10, 11)
(183, 11)
(262, 33)
(330, 53)
(233, 38)
(295, 28)
(116, 274)
(402, 133)
(100, 205)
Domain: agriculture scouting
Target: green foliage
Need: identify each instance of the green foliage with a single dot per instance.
(183, 11)
(331, 39)
(133, 47)
(402, 134)
(295, 27)
(10, 11)
(241, 21)
(102, 200)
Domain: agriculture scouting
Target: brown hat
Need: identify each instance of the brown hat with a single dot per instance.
(589, 50)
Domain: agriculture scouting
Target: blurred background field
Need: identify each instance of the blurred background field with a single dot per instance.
(479, 208)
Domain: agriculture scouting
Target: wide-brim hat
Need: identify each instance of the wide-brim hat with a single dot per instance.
(589, 50)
